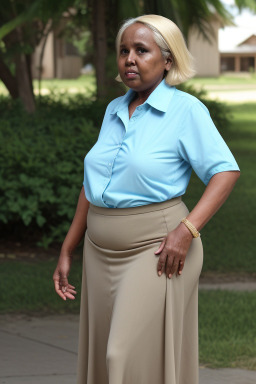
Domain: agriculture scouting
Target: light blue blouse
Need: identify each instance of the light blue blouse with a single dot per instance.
(149, 157)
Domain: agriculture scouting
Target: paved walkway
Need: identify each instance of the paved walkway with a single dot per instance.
(242, 96)
(43, 350)
(241, 286)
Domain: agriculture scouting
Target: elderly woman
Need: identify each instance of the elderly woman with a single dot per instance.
(142, 251)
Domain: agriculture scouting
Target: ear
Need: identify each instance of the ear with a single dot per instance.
(168, 63)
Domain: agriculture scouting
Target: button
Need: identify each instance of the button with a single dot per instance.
(109, 164)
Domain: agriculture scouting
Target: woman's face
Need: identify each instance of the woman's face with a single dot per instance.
(140, 63)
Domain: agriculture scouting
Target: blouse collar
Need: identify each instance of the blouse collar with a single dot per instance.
(159, 99)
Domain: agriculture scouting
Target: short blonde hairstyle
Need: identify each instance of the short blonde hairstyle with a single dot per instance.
(171, 42)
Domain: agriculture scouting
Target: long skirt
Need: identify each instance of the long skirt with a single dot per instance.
(137, 327)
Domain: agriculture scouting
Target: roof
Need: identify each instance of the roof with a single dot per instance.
(247, 46)
(251, 40)
(242, 49)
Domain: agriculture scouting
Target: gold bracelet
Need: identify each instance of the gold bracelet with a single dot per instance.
(190, 227)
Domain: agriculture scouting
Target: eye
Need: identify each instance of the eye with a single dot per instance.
(123, 51)
(141, 50)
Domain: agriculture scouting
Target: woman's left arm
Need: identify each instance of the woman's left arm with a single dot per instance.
(174, 247)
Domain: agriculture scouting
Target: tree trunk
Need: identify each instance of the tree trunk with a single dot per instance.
(100, 45)
(25, 85)
(9, 80)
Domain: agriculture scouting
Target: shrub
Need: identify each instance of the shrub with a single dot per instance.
(41, 164)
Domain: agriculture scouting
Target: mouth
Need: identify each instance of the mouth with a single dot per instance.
(131, 74)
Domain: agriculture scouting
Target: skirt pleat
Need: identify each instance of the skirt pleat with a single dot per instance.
(137, 327)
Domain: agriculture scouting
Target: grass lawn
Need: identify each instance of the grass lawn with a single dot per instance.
(227, 326)
(227, 329)
(225, 80)
(83, 84)
(28, 287)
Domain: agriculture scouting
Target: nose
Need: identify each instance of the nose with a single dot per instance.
(130, 59)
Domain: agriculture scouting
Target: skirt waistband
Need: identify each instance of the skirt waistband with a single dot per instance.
(135, 210)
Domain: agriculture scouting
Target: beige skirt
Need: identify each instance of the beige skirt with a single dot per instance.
(137, 327)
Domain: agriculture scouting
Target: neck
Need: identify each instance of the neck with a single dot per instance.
(143, 95)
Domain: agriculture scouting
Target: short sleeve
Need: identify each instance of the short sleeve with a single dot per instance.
(202, 146)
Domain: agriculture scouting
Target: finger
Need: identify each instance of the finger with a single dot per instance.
(161, 247)
(69, 296)
(181, 266)
(72, 291)
(68, 290)
(175, 265)
(58, 290)
(169, 264)
(161, 262)
(71, 286)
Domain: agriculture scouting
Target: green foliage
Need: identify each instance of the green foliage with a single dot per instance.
(243, 4)
(186, 14)
(41, 162)
(16, 13)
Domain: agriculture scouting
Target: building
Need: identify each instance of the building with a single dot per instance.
(60, 60)
(206, 53)
(242, 58)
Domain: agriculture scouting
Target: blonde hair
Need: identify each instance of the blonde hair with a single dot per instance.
(171, 42)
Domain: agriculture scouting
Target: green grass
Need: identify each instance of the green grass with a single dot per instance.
(229, 238)
(231, 79)
(227, 329)
(84, 84)
(28, 287)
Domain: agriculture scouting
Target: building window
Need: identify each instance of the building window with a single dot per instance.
(247, 64)
(227, 64)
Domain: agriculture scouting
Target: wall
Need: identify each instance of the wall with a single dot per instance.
(48, 60)
(206, 55)
(60, 60)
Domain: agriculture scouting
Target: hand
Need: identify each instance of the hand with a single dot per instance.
(173, 251)
(60, 277)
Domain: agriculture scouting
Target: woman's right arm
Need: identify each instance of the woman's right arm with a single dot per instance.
(73, 238)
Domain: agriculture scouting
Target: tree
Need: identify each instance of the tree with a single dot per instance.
(23, 25)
